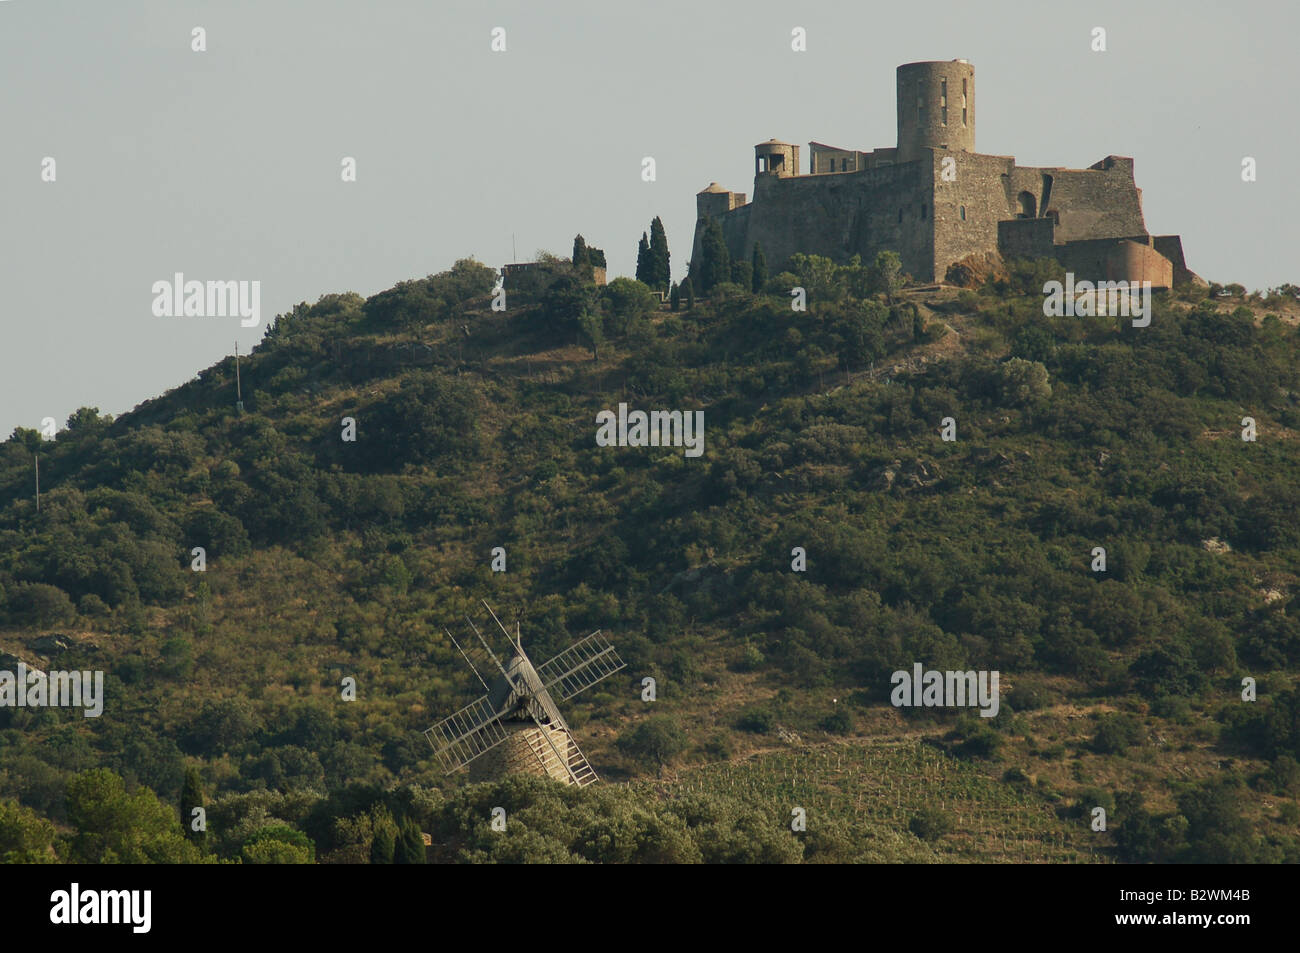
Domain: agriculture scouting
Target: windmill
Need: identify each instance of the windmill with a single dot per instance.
(517, 724)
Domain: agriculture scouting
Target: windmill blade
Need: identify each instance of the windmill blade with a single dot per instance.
(487, 649)
(580, 666)
(460, 738)
(468, 661)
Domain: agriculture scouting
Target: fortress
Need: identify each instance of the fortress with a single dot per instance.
(935, 201)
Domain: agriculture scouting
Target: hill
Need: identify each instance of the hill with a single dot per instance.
(328, 559)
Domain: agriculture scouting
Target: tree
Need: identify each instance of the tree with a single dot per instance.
(658, 739)
(113, 826)
(626, 300)
(759, 265)
(87, 420)
(581, 257)
(675, 296)
(384, 844)
(1022, 382)
(818, 276)
(40, 604)
(688, 292)
(593, 329)
(191, 797)
(278, 844)
(643, 263)
(930, 824)
(715, 260)
(25, 836)
(660, 271)
(742, 273)
(410, 844)
(887, 275)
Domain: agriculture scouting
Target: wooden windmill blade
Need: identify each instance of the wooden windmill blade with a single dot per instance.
(460, 738)
(580, 666)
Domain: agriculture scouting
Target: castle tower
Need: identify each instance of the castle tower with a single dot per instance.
(936, 107)
(776, 158)
(715, 202)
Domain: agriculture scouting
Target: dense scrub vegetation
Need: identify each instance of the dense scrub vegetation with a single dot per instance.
(330, 559)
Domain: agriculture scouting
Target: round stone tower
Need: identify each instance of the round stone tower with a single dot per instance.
(776, 158)
(936, 107)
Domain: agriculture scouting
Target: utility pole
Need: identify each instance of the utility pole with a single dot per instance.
(37, 456)
(239, 391)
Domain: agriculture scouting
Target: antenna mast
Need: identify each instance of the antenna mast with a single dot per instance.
(239, 390)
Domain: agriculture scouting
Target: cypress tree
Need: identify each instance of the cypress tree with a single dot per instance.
(715, 260)
(410, 844)
(760, 268)
(660, 272)
(675, 296)
(688, 289)
(192, 797)
(581, 257)
(384, 842)
(643, 263)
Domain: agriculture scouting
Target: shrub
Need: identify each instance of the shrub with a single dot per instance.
(930, 824)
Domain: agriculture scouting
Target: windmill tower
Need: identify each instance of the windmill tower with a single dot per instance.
(516, 727)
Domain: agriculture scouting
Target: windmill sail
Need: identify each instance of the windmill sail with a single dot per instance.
(460, 738)
(580, 666)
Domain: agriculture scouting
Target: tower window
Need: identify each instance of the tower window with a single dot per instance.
(943, 117)
(943, 93)
(962, 212)
(963, 115)
(844, 165)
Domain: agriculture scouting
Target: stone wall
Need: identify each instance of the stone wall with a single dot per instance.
(1171, 246)
(1138, 261)
(1026, 238)
(516, 754)
(838, 216)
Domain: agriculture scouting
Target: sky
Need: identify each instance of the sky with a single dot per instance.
(225, 164)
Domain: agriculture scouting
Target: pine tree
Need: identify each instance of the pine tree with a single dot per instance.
(675, 297)
(192, 797)
(688, 290)
(660, 271)
(715, 260)
(760, 269)
(643, 263)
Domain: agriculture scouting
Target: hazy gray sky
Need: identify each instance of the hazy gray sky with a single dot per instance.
(225, 164)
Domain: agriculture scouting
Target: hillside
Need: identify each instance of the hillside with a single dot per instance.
(329, 559)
